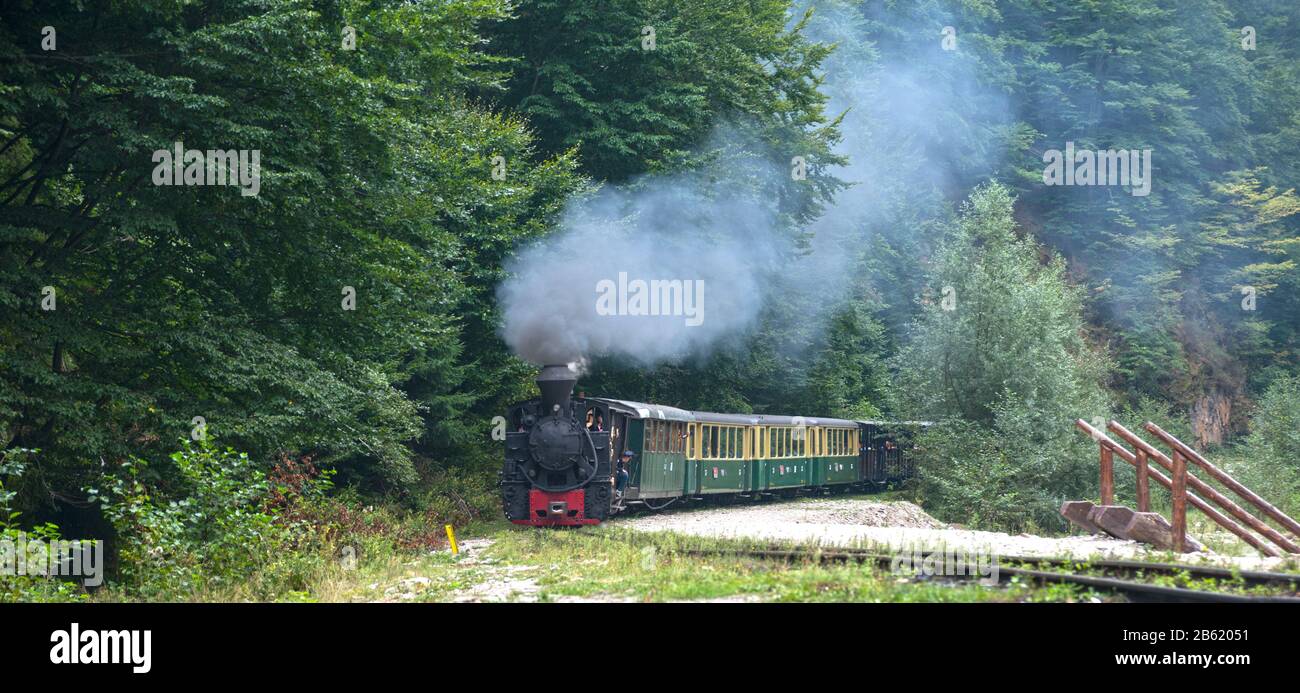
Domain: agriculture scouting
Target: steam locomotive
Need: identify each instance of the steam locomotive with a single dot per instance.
(562, 452)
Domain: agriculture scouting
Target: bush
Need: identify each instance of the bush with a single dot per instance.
(211, 530)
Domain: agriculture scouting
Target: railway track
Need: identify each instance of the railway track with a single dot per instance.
(1123, 577)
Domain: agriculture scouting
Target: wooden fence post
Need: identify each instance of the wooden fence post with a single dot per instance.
(1179, 492)
(1107, 475)
(1143, 486)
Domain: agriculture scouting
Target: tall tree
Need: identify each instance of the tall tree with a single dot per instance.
(998, 358)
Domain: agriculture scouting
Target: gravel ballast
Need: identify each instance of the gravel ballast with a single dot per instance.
(894, 525)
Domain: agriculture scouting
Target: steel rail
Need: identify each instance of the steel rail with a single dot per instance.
(1142, 590)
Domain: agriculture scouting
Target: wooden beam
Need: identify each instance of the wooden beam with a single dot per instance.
(1107, 475)
(1225, 479)
(1143, 482)
(1208, 491)
(1179, 493)
(1077, 512)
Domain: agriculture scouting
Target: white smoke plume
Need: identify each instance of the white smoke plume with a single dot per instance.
(902, 133)
(665, 231)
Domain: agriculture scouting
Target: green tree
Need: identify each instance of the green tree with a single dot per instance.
(998, 358)
(175, 302)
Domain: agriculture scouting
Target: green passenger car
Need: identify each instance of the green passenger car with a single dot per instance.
(686, 454)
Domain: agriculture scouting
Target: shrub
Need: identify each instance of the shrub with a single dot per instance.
(210, 530)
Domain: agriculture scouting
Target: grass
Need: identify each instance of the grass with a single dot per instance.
(610, 564)
(379, 561)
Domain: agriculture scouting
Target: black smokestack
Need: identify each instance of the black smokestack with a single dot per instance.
(556, 384)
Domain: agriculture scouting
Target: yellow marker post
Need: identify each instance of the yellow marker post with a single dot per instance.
(451, 537)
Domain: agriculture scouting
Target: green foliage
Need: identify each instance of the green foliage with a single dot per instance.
(1271, 465)
(998, 358)
(587, 77)
(29, 586)
(209, 528)
(176, 302)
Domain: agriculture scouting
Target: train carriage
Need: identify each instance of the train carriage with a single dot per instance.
(562, 455)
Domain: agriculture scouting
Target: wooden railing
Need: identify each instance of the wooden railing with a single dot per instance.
(1179, 481)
